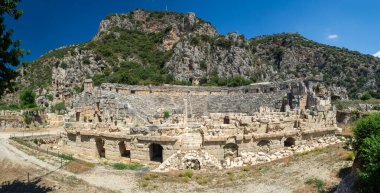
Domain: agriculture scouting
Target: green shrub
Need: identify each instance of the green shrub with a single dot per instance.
(351, 156)
(367, 147)
(123, 166)
(365, 96)
(144, 184)
(65, 157)
(6, 106)
(339, 106)
(375, 94)
(29, 117)
(166, 115)
(63, 65)
(186, 173)
(186, 179)
(49, 97)
(78, 89)
(86, 61)
(182, 82)
(318, 183)
(230, 82)
(377, 108)
(202, 180)
(27, 99)
(153, 175)
(59, 108)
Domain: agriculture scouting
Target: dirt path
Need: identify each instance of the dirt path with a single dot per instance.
(120, 181)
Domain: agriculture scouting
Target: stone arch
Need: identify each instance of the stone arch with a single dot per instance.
(231, 150)
(192, 164)
(156, 152)
(290, 141)
(100, 147)
(123, 150)
(263, 143)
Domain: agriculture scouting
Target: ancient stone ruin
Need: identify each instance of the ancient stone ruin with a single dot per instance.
(197, 127)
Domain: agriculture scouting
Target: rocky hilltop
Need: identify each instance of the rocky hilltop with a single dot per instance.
(147, 47)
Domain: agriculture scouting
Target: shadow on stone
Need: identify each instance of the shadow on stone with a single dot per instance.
(344, 172)
(21, 187)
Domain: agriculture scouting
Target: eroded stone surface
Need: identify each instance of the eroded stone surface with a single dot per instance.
(200, 127)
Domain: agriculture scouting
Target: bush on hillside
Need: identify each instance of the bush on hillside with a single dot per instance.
(365, 96)
(367, 146)
(27, 99)
(59, 108)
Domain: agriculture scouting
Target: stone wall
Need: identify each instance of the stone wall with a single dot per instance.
(208, 127)
(127, 105)
(11, 119)
(264, 131)
(15, 120)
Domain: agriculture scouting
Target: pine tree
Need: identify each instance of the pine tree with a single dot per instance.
(10, 51)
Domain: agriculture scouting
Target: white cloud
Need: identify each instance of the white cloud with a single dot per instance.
(377, 54)
(332, 36)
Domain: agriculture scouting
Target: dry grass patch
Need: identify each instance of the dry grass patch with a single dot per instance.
(78, 167)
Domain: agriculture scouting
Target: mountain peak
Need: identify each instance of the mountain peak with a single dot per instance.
(155, 22)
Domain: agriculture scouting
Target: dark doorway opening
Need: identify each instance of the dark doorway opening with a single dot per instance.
(77, 116)
(226, 120)
(155, 152)
(100, 147)
(123, 150)
(289, 142)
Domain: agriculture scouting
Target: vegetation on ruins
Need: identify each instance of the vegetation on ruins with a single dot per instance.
(344, 104)
(132, 166)
(59, 108)
(367, 147)
(6, 106)
(166, 115)
(65, 157)
(29, 116)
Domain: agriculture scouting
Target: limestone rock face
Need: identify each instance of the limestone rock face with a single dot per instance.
(195, 52)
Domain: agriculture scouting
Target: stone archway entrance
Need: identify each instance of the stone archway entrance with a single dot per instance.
(123, 150)
(100, 147)
(264, 145)
(155, 152)
(192, 164)
(231, 150)
(289, 142)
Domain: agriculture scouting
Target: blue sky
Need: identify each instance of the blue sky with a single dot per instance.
(353, 24)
